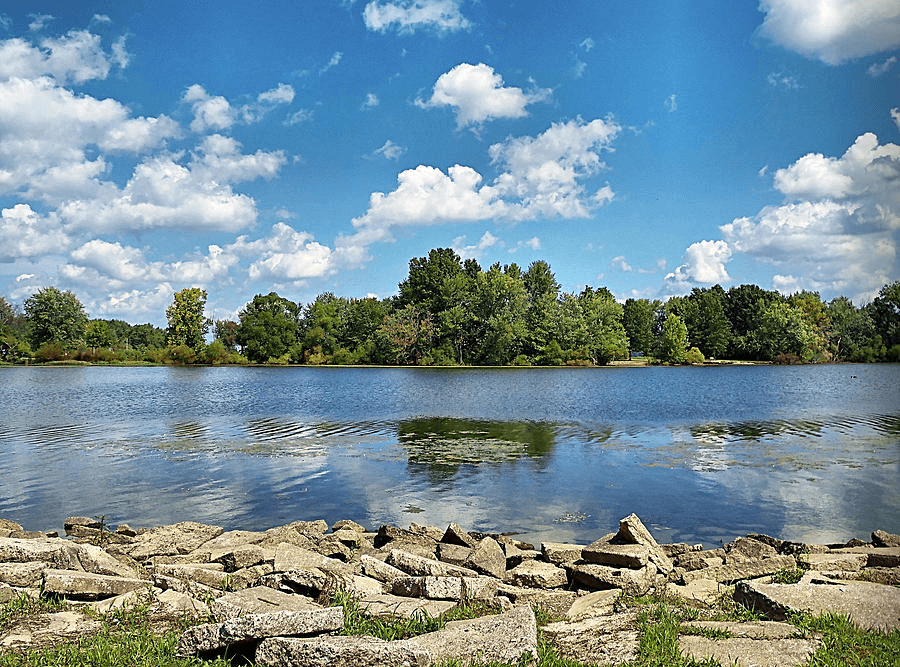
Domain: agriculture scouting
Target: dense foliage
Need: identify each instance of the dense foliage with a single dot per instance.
(448, 311)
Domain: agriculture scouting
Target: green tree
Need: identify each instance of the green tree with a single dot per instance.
(269, 327)
(638, 319)
(147, 337)
(55, 316)
(605, 336)
(406, 335)
(498, 321)
(744, 306)
(710, 329)
(542, 315)
(187, 323)
(97, 334)
(885, 313)
(852, 335)
(225, 331)
(783, 331)
(673, 342)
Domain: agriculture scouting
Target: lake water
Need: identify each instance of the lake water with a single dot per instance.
(701, 454)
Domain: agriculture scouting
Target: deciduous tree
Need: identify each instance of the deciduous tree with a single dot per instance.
(187, 323)
(55, 316)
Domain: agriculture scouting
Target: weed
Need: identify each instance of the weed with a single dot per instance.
(24, 605)
(788, 575)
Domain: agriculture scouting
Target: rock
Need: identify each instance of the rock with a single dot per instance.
(554, 602)
(126, 530)
(634, 556)
(747, 570)
(632, 582)
(180, 538)
(209, 574)
(420, 567)
(54, 552)
(501, 638)
(632, 531)
(488, 558)
(356, 651)
(453, 553)
(96, 560)
(349, 538)
(888, 576)
(831, 562)
(703, 591)
(876, 556)
(561, 554)
(372, 567)
(672, 550)
(21, 575)
(697, 560)
(751, 630)
(258, 600)
(179, 605)
(749, 652)
(516, 556)
(882, 539)
(870, 606)
(386, 605)
(290, 558)
(600, 639)
(346, 524)
(82, 522)
(598, 603)
(241, 556)
(331, 547)
(249, 576)
(253, 627)
(47, 630)
(86, 586)
(310, 582)
(12, 526)
(431, 532)
(285, 535)
(456, 535)
(196, 590)
(745, 549)
(537, 574)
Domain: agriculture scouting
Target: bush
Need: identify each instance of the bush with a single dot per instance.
(787, 359)
(51, 351)
(694, 356)
(182, 354)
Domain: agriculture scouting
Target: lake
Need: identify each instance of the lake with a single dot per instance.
(701, 454)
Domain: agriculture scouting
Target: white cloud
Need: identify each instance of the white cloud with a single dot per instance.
(477, 94)
(219, 158)
(833, 31)
(23, 233)
(781, 80)
(282, 94)
(621, 263)
(587, 44)
(877, 69)
(838, 228)
(210, 112)
(301, 116)
(371, 101)
(335, 60)
(76, 57)
(895, 114)
(390, 150)
(704, 262)
(407, 16)
(476, 251)
(286, 255)
(534, 243)
(38, 21)
(671, 103)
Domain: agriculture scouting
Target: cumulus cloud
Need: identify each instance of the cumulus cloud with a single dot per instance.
(407, 16)
(371, 101)
(477, 94)
(210, 112)
(832, 31)
(281, 94)
(285, 255)
(75, 57)
(476, 251)
(877, 69)
(838, 227)
(24, 233)
(390, 150)
(704, 262)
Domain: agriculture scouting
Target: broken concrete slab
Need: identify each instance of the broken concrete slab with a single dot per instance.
(870, 606)
(882, 538)
(598, 603)
(738, 571)
(87, 586)
(420, 567)
(633, 531)
(356, 651)
(833, 562)
(560, 553)
(634, 556)
(56, 553)
(599, 639)
(258, 600)
(387, 606)
(749, 652)
(633, 582)
(537, 574)
(749, 630)
(47, 630)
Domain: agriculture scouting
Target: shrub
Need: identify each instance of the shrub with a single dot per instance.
(51, 351)
(694, 356)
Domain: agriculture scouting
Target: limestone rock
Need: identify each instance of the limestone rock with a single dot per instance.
(561, 554)
(94, 559)
(632, 582)
(431, 532)
(252, 627)
(881, 538)
(749, 652)
(347, 524)
(747, 570)
(289, 557)
(831, 562)
(86, 586)
(453, 553)
(870, 606)
(241, 556)
(47, 630)
(55, 552)
(598, 603)
(324, 651)
(600, 639)
(258, 600)
(751, 630)
(634, 556)
(537, 574)
(208, 574)
(553, 602)
(21, 575)
(180, 538)
(11, 526)
(746, 549)
(632, 531)
(420, 567)
(488, 558)
(386, 605)
(456, 535)
(703, 591)
(377, 569)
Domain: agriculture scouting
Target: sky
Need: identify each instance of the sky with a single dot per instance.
(313, 146)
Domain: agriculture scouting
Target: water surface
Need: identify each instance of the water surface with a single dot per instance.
(700, 454)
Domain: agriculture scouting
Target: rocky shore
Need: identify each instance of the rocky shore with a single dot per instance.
(269, 594)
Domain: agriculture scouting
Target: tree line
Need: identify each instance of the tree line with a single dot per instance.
(453, 312)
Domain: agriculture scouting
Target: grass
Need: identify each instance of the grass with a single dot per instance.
(126, 638)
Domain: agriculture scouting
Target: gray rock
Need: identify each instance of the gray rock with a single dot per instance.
(47, 630)
(703, 591)
(503, 637)
(81, 521)
(881, 538)
(333, 651)
(832, 562)
(453, 553)
(634, 556)
(180, 538)
(55, 552)
(431, 532)
(209, 574)
(870, 606)
(347, 537)
(377, 569)
(387, 606)
(487, 558)
(632, 531)
(22, 575)
(241, 556)
(598, 603)
(420, 567)
(289, 557)
(254, 627)
(554, 602)
(87, 586)
(11, 526)
(877, 556)
(537, 574)
(600, 639)
(744, 549)
(347, 524)
(738, 571)
(456, 535)
(259, 600)
(751, 630)
(561, 554)
(632, 582)
(96, 560)
(194, 589)
(749, 652)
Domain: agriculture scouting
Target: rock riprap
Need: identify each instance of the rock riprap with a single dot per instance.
(269, 593)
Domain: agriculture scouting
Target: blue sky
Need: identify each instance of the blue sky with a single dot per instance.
(305, 147)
